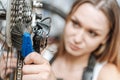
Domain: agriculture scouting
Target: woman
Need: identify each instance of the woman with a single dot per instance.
(89, 47)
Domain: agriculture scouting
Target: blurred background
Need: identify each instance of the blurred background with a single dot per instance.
(56, 9)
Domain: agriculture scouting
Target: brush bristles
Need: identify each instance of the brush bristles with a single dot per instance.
(16, 37)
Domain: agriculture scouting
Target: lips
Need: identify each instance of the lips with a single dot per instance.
(73, 47)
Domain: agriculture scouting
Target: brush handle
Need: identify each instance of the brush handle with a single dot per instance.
(26, 44)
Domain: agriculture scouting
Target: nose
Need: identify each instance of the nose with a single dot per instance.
(79, 36)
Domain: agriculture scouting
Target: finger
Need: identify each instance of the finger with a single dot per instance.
(31, 77)
(4, 73)
(8, 60)
(35, 58)
(41, 76)
(11, 63)
(7, 55)
(35, 69)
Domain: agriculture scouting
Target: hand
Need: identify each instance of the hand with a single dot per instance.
(37, 68)
(7, 64)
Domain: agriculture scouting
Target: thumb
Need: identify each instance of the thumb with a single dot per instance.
(34, 58)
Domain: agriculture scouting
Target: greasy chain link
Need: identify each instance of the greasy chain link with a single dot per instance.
(19, 68)
(19, 13)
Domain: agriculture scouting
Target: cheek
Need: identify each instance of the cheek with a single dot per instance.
(69, 31)
(92, 45)
(68, 34)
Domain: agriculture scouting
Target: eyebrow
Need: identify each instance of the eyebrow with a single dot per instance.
(76, 20)
(80, 24)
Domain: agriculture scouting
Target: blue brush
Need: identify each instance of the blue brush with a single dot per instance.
(26, 44)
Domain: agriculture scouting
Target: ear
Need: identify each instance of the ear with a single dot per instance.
(105, 40)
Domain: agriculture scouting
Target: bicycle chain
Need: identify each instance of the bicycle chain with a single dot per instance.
(20, 13)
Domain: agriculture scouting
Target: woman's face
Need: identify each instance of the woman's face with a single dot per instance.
(86, 30)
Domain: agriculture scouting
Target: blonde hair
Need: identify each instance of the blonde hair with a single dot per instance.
(111, 9)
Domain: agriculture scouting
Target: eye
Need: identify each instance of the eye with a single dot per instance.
(92, 33)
